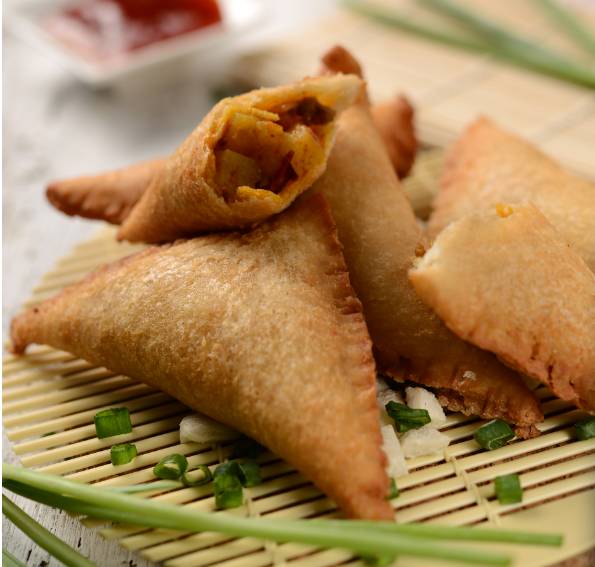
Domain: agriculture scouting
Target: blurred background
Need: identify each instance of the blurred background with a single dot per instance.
(91, 85)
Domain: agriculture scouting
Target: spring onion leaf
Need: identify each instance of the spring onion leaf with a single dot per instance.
(407, 418)
(527, 55)
(9, 560)
(197, 477)
(393, 491)
(249, 473)
(585, 429)
(365, 538)
(123, 453)
(111, 422)
(569, 22)
(53, 545)
(246, 447)
(147, 487)
(508, 489)
(493, 434)
(171, 467)
(227, 468)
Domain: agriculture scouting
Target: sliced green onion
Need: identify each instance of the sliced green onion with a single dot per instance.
(493, 434)
(508, 489)
(110, 422)
(197, 477)
(393, 491)
(171, 467)
(42, 537)
(585, 429)
(249, 473)
(407, 418)
(227, 468)
(123, 453)
(9, 560)
(228, 491)
(379, 560)
(246, 447)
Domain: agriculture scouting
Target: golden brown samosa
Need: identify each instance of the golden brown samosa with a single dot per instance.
(111, 196)
(258, 330)
(506, 281)
(488, 165)
(381, 236)
(248, 159)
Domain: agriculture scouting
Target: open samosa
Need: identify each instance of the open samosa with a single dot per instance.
(248, 159)
(111, 196)
(381, 236)
(488, 165)
(505, 280)
(258, 330)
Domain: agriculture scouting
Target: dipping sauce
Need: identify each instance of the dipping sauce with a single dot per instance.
(107, 29)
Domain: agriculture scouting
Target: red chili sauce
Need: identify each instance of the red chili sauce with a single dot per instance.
(104, 29)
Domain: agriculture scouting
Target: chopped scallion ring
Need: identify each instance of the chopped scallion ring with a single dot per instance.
(508, 489)
(123, 453)
(585, 429)
(407, 418)
(228, 491)
(171, 467)
(393, 491)
(197, 477)
(113, 421)
(493, 435)
(227, 468)
(249, 473)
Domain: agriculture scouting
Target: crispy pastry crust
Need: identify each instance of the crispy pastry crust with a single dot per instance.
(395, 122)
(108, 196)
(260, 330)
(511, 285)
(488, 165)
(380, 235)
(181, 199)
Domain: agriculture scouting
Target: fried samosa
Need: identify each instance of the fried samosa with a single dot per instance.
(381, 237)
(259, 330)
(249, 158)
(506, 281)
(488, 165)
(111, 196)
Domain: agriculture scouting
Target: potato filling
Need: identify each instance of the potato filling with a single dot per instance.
(269, 150)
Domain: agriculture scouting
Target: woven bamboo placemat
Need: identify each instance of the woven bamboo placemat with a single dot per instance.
(50, 398)
(448, 87)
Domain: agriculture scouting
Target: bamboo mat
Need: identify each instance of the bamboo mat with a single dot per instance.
(448, 87)
(50, 398)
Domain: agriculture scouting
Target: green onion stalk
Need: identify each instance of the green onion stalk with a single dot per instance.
(489, 39)
(119, 507)
(367, 538)
(48, 541)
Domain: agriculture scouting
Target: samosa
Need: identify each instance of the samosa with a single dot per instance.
(248, 159)
(488, 165)
(381, 238)
(111, 196)
(259, 330)
(505, 280)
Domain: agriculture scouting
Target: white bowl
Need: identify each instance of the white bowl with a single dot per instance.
(239, 18)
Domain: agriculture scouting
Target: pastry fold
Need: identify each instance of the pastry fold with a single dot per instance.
(488, 165)
(506, 281)
(381, 237)
(110, 196)
(249, 158)
(259, 330)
